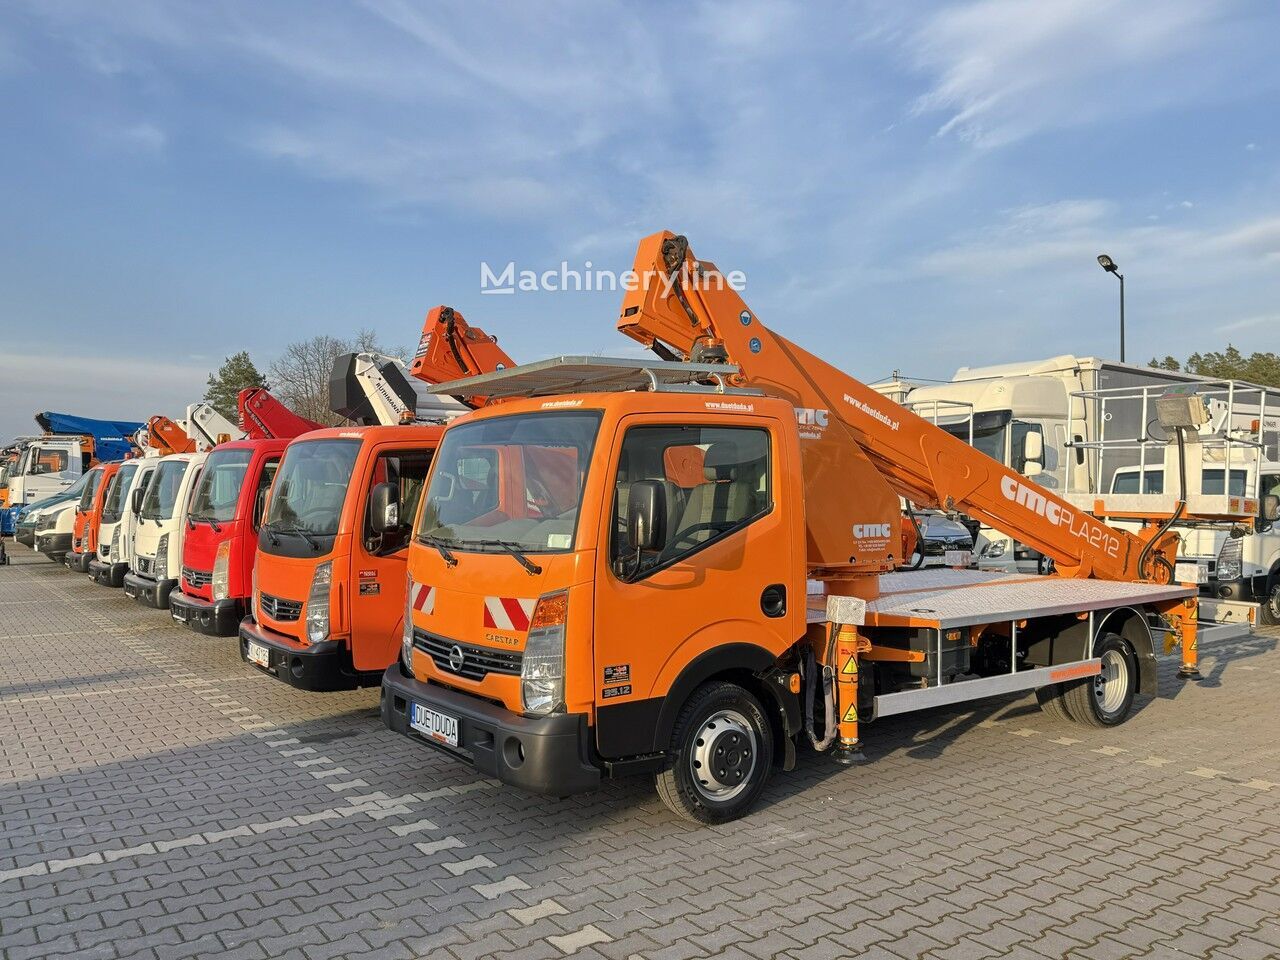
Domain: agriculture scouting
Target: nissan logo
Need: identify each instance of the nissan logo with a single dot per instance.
(456, 658)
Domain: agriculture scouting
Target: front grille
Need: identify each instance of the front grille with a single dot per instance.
(196, 578)
(281, 610)
(104, 551)
(145, 564)
(477, 662)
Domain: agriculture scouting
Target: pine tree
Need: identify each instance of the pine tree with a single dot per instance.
(236, 373)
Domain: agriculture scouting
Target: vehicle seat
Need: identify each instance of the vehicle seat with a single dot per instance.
(728, 496)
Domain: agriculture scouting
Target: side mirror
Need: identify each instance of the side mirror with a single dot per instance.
(1271, 508)
(384, 508)
(137, 500)
(647, 515)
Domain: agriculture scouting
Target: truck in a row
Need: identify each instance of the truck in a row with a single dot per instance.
(685, 567)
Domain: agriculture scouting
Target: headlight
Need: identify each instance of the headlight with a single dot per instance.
(542, 668)
(406, 635)
(996, 548)
(161, 569)
(115, 542)
(318, 603)
(222, 571)
(254, 606)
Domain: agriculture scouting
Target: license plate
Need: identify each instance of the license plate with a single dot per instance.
(957, 558)
(259, 654)
(438, 726)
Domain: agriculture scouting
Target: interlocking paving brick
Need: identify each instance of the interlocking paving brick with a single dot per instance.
(160, 799)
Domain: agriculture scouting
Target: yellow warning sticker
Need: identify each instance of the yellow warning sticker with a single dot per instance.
(851, 715)
(850, 666)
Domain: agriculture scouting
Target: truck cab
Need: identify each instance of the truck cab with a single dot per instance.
(328, 595)
(221, 539)
(109, 566)
(45, 525)
(84, 530)
(157, 541)
(525, 650)
(47, 466)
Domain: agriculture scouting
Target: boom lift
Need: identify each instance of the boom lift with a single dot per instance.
(330, 577)
(637, 537)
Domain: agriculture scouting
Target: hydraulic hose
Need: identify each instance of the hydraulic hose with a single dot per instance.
(812, 672)
(1144, 558)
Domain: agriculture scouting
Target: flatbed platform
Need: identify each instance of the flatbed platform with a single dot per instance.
(943, 599)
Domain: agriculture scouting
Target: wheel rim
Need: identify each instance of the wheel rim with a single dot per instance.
(1111, 686)
(724, 755)
(1273, 601)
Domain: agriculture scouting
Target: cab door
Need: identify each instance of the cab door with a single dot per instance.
(726, 573)
(379, 561)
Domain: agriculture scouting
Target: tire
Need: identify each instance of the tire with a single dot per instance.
(1270, 602)
(1052, 701)
(1044, 565)
(1107, 699)
(720, 720)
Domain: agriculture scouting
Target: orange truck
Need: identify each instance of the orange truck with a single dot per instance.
(685, 567)
(84, 532)
(328, 590)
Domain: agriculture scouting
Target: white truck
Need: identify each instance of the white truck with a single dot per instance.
(1020, 414)
(48, 466)
(119, 522)
(156, 559)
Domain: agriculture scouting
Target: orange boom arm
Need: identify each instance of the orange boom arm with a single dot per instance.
(860, 449)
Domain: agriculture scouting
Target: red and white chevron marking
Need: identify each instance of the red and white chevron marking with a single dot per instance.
(508, 613)
(423, 597)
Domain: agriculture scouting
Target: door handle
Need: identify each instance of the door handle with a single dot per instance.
(773, 600)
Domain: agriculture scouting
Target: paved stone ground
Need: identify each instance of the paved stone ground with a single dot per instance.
(158, 799)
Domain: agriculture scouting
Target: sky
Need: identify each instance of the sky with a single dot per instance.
(915, 187)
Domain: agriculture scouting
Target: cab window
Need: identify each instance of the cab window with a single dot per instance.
(714, 481)
(407, 470)
(269, 468)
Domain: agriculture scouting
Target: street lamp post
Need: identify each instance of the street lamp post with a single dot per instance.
(1109, 265)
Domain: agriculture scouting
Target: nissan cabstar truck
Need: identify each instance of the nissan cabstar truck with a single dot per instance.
(684, 567)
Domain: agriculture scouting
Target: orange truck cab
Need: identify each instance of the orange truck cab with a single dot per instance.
(84, 538)
(523, 650)
(328, 595)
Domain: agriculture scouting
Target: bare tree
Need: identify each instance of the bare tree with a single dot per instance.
(300, 377)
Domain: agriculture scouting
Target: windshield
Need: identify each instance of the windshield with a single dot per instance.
(989, 431)
(220, 484)
(516, 479)
(113, 507)
(311, 486)
(90, 490)
(162, 491)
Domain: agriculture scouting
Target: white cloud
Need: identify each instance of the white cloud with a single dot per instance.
(1004, 69)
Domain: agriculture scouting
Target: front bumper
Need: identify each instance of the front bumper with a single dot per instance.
(214, 618)
(25, 536)
(548, 755)
(108, 574)
(53, 544)
(78, 562)
(325, 666)
(1242, 588)
(153, 593)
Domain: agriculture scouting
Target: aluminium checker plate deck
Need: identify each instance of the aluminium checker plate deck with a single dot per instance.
(943, 599)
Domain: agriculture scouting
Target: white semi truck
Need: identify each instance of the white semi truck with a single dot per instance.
(1021, 414)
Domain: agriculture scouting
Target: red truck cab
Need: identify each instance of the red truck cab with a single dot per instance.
(222, 536)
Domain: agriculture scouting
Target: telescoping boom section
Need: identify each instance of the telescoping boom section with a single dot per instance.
(263, 417)
(862, 451)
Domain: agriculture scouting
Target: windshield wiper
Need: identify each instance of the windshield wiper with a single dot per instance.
(449, 559)
(514, 549)
(273, 528)
(194, 518)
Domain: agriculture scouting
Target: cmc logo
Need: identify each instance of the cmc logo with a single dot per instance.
(1032, 499)
(865, 531)
(809, 417)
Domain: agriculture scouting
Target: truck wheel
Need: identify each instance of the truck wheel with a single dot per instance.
(1270, 611)
(1107, 699)
(1052, 701)
(720, 755)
